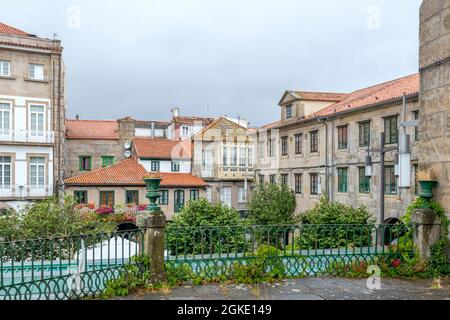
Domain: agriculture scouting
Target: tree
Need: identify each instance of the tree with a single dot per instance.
(205, 228)
(272, 205)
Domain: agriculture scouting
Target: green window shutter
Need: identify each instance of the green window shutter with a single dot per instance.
(343, 180)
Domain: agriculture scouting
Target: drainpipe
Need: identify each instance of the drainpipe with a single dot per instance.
(332, 161)
(153, 129)
(324, 122)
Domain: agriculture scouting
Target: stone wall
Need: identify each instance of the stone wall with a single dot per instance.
(435, 93)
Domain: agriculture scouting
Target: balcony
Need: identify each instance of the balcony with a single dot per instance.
(27, 136)
(25, 192)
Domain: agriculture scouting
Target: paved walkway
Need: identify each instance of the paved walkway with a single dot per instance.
(309, 289)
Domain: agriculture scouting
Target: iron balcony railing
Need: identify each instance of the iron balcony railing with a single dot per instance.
(29, 136)
(26, 191)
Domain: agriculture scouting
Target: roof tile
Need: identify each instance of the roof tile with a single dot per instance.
(162, 148)
(92, 129)
(7, 29)
(130, 172)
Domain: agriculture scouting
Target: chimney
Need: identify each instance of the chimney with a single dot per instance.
(77, 117)
(175, 112)
(153, 129)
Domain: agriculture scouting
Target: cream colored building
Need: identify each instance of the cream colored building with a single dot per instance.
(224, 157)
(32, 116)
(320, 144)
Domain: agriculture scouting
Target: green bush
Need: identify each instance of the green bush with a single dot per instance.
(205, 228)
(49, 218)
(333, 225)
(272, 205)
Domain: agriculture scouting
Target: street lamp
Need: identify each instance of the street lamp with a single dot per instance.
(369, 168)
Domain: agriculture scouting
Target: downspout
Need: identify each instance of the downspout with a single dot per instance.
(332, 161)
(324, 122)
(60, 133)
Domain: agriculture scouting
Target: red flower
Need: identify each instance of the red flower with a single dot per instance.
(396, 263)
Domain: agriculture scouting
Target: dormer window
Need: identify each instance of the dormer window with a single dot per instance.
(289, 111)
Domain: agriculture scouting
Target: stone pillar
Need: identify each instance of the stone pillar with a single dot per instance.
(154, 224)
(427, 231)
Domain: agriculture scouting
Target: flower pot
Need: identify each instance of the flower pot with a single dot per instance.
(426, 193)
(153, 194)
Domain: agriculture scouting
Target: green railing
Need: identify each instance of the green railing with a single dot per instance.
(303, 249)
(65, 267)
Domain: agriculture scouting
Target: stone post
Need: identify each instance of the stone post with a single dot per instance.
(427, 231)
(153, 221)
(154, 224)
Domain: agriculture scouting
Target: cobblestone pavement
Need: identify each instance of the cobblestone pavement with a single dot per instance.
(309, 289)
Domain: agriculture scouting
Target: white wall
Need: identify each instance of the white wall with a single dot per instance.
(144, 132)
(21, 164)
(166, 165)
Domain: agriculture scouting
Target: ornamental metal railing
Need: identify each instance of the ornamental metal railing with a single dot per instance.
(65, 268)
(304, 250)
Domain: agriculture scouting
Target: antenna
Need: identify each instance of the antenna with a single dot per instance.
(55, 36)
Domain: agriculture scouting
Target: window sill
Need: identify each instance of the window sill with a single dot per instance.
(8, 77)
(36, 80)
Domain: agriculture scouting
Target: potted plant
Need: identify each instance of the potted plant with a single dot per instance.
(427, 181)
(153, 181)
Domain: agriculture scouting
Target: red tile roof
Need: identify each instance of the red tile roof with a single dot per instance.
(383, 92)
(130, 173)
(7, 29)
(92, 129)
(322, 96)
(162, 148)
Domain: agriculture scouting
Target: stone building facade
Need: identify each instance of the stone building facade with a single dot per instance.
(32, 107)
(223, 156)
(322, 151)
(435, 93)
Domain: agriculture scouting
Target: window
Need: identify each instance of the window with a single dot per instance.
(155, 166)
(85, 163)
(242, 195)
(107, 199)
(225, 196)
(364, 181)
(342, 179)
(36, 72)
(5, 172)
(132, 197)
(416, 129)
(284, 179)
(242, 157)
(179, 200)
(342, 137)
(233, 161)
(261, 149)
(314, 183)
(298, 143)
(80, 197)
(273, 179)
(391, 180)
(209, 194)
(175, 166)
(250, 157)
(271, 147)
(261, 179)
(207, 158)
(391, 129)
(5, 118)
(225, 156)
(37, 120)
(298, 184)
(195, 195)
(364, 134)
(164, 199)
(107, 161)
(288, 111)
(314, 141)
(284, 146)
(37, 172)
(185, 131)
(5, 68)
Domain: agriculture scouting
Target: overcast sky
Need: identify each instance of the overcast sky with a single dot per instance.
(215, 57)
